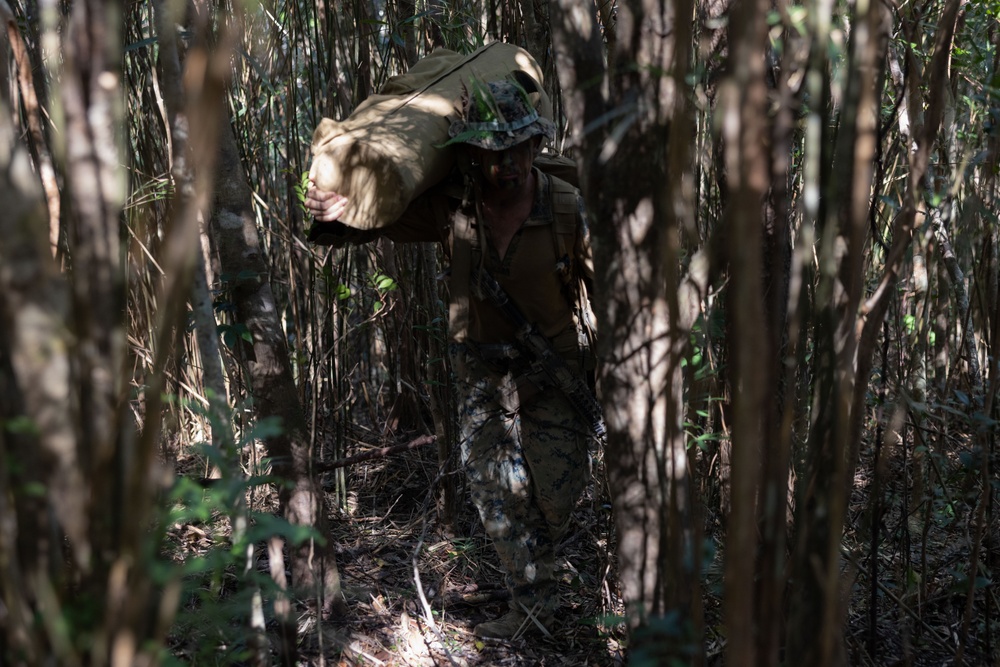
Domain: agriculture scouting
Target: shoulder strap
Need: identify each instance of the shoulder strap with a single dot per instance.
(565, 213)
(464, 242)
(566, 235)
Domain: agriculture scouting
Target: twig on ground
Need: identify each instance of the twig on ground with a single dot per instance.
(424, 604)
(381, 452)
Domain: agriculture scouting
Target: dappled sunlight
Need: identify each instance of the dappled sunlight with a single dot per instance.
(392, 148)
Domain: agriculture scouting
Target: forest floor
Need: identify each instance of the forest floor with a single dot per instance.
(911, 601)
(416, 587)
(402, 568)
(391, 530)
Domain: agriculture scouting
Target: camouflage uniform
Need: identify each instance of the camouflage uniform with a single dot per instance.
(527, 463)
(524, 448)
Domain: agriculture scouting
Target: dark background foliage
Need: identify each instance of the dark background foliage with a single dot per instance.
(794, 212)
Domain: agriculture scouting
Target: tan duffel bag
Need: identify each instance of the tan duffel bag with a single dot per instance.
(390, 150)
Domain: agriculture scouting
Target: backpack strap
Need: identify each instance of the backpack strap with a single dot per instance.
(463, 236)
(566, 231)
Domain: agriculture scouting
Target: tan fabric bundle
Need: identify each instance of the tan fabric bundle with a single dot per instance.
(389, 150)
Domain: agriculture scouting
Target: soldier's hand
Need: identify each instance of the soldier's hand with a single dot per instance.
(324, 205)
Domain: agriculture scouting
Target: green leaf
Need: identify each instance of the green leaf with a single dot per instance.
(33, 489)
(21, 425)
(384, 283)
(231, 333)
(301, 188)
(465, 137)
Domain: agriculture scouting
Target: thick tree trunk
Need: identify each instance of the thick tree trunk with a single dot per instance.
(36, 410)
(79, 542)
(95, 195)
(644, 308)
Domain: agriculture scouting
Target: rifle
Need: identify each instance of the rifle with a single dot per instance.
(543, 355)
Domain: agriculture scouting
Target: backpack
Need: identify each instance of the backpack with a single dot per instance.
(392, 147)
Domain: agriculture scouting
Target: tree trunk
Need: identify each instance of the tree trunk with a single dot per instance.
(842, 367)
(645, 309)
(313, 566)
(743, 103)
(72, 546)
(95, 195)
(36, 408)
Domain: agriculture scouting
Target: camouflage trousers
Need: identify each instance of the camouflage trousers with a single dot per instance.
(525, 453)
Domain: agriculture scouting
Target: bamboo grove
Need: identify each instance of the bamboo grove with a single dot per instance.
(794, 209)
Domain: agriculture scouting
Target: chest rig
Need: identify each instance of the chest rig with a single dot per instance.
(468, 246)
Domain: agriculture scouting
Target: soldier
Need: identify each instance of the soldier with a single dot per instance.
(524, 448)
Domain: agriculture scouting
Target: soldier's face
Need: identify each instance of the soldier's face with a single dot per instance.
(507, 169)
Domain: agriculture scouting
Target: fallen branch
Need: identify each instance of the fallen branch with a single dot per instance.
(379, 453)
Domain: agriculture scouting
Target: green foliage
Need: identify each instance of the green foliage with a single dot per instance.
(233, 333)
(336, 289)
(697, 437)
(301, 188)
(216, 587)
(342, 291)
(384, 283)
(20, 425)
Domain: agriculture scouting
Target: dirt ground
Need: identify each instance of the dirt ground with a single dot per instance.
(416, 588)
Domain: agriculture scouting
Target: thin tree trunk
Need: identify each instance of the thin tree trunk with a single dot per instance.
(773, 505)
(815, 632)
(193, 175)
(534, 33)
(744, 101)
(32, 110)
(313, 566)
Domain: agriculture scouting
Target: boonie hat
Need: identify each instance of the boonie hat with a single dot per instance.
(498, 115)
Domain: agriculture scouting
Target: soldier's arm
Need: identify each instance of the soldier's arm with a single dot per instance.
(419, 222)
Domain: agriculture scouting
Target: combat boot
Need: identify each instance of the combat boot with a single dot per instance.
(513, 624)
